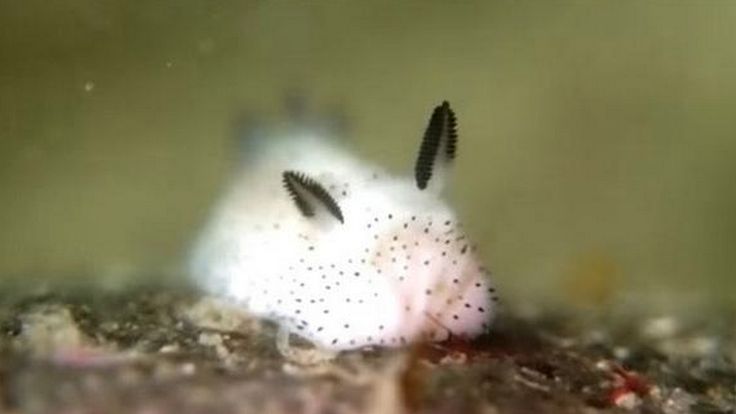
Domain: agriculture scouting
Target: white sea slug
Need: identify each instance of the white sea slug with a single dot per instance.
(336, 251)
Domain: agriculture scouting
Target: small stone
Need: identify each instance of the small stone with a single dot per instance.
(627, 400)
(188, 369)
(168, 349)
(679, 402)
(621, 353)
(660, 328)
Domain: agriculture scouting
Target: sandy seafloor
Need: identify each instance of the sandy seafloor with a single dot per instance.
(155, 350)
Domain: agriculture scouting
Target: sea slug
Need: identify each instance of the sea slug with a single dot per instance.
(339, 252)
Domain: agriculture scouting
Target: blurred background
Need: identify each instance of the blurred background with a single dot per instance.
(597, 139)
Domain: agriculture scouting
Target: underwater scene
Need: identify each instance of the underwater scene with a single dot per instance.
(367, 207)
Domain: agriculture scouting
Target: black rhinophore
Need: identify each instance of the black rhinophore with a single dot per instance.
(307, 192)
(438, 145)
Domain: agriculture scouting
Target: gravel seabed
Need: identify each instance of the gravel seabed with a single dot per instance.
(154, 350)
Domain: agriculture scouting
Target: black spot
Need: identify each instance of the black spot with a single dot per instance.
(455, 281)
(346, 326)
(428, 291)
(477, 284)
(334, 341)
(455, 317)
(481, 310)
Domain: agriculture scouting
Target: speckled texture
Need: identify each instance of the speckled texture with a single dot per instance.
(341, 252)
(156, 351)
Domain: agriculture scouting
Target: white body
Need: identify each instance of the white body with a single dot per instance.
(398, 270)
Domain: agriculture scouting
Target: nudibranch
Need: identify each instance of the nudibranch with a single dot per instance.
(339, 252)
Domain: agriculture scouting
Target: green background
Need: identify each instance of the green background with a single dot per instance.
(597, 146)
